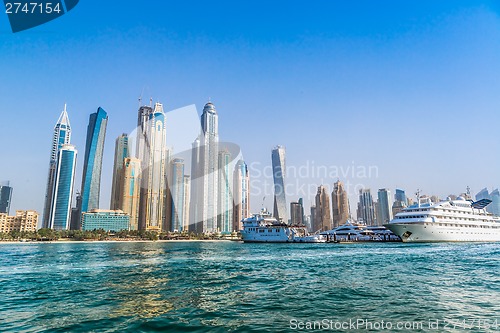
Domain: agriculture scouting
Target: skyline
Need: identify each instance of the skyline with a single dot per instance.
(431, 73)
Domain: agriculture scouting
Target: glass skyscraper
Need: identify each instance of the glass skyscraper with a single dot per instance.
(121, 152)
(384, 206)
(92, 165)
(400, 196)
(225, 200)
(5, 197)
(241, 194)
(63, 188)
(177, 188)
(61, 136)
(366, 209)
(278, 161)
(130, 190)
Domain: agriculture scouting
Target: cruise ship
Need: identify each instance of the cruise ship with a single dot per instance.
(459, 220)
(264, 228)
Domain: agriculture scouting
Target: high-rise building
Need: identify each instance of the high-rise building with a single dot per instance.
(241, 194)
(312, 219)
(323, 220)
(152, 151)
(63, 188)
(60, 137)
(108, 220)
(131, 190)
(384, 206)
(76, 221)
(92, 164)
(494, 206)
(279, 167)
(225, 192)
(205, 174)
(297, 213)
(366, 208)
(121, 152)
(187, 200)
(177, 187)
(400, 195)
(483, 194)
(5, 197)
(340, 204)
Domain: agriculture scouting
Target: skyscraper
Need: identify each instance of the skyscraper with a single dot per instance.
(278, 163)
(152, 151)
(400, 196)
(225, 192)
(177, 188)
(205, 174)
(5, 197)
(241, 194)
(63, 188)
(92, 164)
(323, 220)
(494, 207)
(312, 218)
(297, 213)
(130, 190)
(384, 206)
(366, 209)
(121, 152)
(61, 136)
(187, 200)
(340, 204)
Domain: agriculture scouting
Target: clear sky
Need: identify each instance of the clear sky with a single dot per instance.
(409, 88)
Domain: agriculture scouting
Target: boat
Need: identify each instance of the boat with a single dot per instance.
(459, 220)
(264, 228)
(359, 232)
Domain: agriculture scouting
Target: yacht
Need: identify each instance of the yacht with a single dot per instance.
(359, 232)
(459, 220)
(264, 228)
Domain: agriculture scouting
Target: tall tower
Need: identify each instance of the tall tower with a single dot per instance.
(278, 160)
(187, 200)
(366, 208)
(241, 194)
(177, 188)
(152, 151)
(5, 197)
(130, 190)
(121, 152)
(384, 206)
(63, 188)
(323, 220)
(61, 136)
(209, 168)
(225, 200)
(92, 165)
(340, 204)
(297, 213)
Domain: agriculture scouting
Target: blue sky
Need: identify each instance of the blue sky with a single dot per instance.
(408, 87)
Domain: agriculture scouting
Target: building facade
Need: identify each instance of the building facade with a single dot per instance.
(64, 179)
(322, 216)
(24, 220)
(384, 206)
(225, 191)
(340, 204)
(153, 153)
(122, 151)
(5, 197)
(92, 164)
(131, 190)
(366, 207)
(297, 212)
(241, 194)
(177, 188)
(61, 136)
(108, 220)
(279, 169)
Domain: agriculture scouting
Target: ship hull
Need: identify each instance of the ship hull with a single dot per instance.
(428, 232)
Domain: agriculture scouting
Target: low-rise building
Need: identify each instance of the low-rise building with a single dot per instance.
(109, 220)
(24, 220)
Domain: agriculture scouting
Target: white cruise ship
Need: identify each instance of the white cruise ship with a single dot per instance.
(458, 220)
(264, 228)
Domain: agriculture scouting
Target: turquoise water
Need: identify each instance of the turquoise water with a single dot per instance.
(236, 287)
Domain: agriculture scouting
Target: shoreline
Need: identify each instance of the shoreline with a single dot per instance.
(66, 241)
